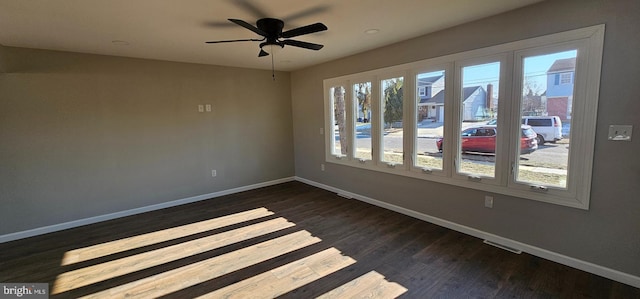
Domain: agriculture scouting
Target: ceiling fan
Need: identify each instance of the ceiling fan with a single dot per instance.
(270, 30)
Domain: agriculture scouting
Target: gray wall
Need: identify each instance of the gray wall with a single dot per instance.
(606, 234)
(85, 135)
(3, 63)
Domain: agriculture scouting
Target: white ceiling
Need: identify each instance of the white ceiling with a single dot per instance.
(175, 30)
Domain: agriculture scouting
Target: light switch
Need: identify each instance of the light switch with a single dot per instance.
(620, 132)
(200, 108)
(208, 107)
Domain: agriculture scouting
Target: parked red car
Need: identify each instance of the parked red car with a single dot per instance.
(483, 139)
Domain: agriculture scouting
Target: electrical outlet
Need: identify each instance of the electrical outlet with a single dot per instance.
(207, 107)
(321, 167)
(321, 131)
(620, 132)
(488, 202)
(214, 173)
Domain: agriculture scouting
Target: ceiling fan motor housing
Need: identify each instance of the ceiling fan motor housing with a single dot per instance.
(273, 29)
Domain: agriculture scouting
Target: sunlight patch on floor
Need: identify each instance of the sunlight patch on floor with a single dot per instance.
(114, 268)
(269, 284)
(104, 249)
(370, 285)
(286, 278)
(192, 274)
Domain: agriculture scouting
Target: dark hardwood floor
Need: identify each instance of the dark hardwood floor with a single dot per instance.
(291, 241)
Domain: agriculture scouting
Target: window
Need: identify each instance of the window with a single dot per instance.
(565, 78)
(362, 121)
(338, 130)
(537, 122)
(391, 105)
(429, 126)
(516, 119)
(547, 167)
(476, 152)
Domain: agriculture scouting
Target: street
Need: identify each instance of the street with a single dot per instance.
(549, 155)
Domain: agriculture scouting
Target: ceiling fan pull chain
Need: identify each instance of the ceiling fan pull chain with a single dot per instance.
(273, 71)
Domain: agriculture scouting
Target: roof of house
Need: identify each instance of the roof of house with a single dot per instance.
(439, 97)
(567, 64)
(428, 80)
(436, 99)
(468, 91)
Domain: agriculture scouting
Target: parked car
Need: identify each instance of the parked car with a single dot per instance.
(483, 139)
(548, 128)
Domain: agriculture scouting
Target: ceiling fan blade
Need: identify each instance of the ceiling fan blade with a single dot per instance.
(262, 53)
(317, 27)
(218, 24)
(306, 45)
(248, 26)
(306, 13)
(250, 7)
(234, 40)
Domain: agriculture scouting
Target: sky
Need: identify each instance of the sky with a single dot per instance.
(535, 69)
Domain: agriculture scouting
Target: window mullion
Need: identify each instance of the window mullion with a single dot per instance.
(504, 142)
(408, 115)
(451, 142)
(375, 120)
(348, 101)
(450, 111)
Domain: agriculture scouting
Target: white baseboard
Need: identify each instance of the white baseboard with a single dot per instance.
(533, 250)
(90, 220)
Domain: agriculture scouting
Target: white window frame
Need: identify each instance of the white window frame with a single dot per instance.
(499, 177)
(391, 167)
(586, 79)
(412, 105)
(352, 120)
(330, 121)
(581, 148)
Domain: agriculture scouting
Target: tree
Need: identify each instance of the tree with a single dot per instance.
(393, 101)
(364, 99)
(531, 99)
(531, 87)
(341, 118)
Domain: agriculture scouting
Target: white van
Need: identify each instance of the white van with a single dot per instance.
(548, 128)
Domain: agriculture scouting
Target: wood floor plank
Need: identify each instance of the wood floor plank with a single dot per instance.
(98, 250)
(369, 285)
(289, 241)
(285, 278)
(100, 272)
(174, 280)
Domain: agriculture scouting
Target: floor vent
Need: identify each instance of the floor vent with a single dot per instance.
(507, 248)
